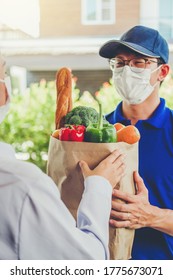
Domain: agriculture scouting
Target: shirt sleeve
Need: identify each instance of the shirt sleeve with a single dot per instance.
(48, 231)
(97, 200)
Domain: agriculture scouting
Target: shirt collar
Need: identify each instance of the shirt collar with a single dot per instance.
(157, 119)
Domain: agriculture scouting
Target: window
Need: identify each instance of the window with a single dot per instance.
(166, 18)
(158, 14)
(98, 12)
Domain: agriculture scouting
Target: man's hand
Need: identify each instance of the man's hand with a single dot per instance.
(112, 168)
(136, 211)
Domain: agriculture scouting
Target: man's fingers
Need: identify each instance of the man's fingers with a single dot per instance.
(123, 216)
(119, 224)
(124, 196)
(120, 207)
(139, 183)
(131, 198)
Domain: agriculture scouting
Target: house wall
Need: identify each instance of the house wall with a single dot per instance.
(59, 19)
(63, 18)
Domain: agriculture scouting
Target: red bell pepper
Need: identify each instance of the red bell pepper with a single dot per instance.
(72, 133)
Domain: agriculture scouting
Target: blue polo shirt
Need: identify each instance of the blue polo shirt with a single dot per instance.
(156, 169)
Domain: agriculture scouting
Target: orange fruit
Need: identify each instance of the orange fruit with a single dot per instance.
(129, 134)
(56, 133)
(118, 126)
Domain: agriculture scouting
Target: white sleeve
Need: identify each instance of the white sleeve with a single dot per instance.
(48, 231)
(94, 209)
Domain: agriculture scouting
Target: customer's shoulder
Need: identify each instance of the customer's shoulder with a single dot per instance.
(19, 173)
(6, 150)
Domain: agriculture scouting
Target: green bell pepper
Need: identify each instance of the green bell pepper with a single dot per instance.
(101, 132)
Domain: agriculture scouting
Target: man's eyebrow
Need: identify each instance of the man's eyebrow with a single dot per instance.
(134, 55)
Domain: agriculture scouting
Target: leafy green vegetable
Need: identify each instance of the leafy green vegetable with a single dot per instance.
(82, 115)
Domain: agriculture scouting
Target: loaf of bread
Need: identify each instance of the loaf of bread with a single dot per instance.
(64, 96)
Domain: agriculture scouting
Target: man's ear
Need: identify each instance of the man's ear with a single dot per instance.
(164, 70)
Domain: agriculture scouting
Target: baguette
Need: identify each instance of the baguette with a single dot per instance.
(64, 96)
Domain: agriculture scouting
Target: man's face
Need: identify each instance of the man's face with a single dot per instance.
(149, 63)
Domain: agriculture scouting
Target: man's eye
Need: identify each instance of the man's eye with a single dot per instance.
(139, 62)
(119, 64)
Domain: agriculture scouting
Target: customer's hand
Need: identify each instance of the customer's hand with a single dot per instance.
(112, 168)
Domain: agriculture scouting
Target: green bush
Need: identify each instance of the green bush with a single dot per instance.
(30, 122)
(31, 119)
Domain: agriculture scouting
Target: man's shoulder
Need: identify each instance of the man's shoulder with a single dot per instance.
(169, 112)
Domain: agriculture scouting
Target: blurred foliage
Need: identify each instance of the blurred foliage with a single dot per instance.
(31, 118)
(29, 123)
(166, 90)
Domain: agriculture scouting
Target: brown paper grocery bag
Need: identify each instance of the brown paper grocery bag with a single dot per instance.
(63, 168)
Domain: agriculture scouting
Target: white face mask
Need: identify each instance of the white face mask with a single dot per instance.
(5, 108)
(133, 87)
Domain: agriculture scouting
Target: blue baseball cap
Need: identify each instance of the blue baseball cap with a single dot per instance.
(141, 39)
